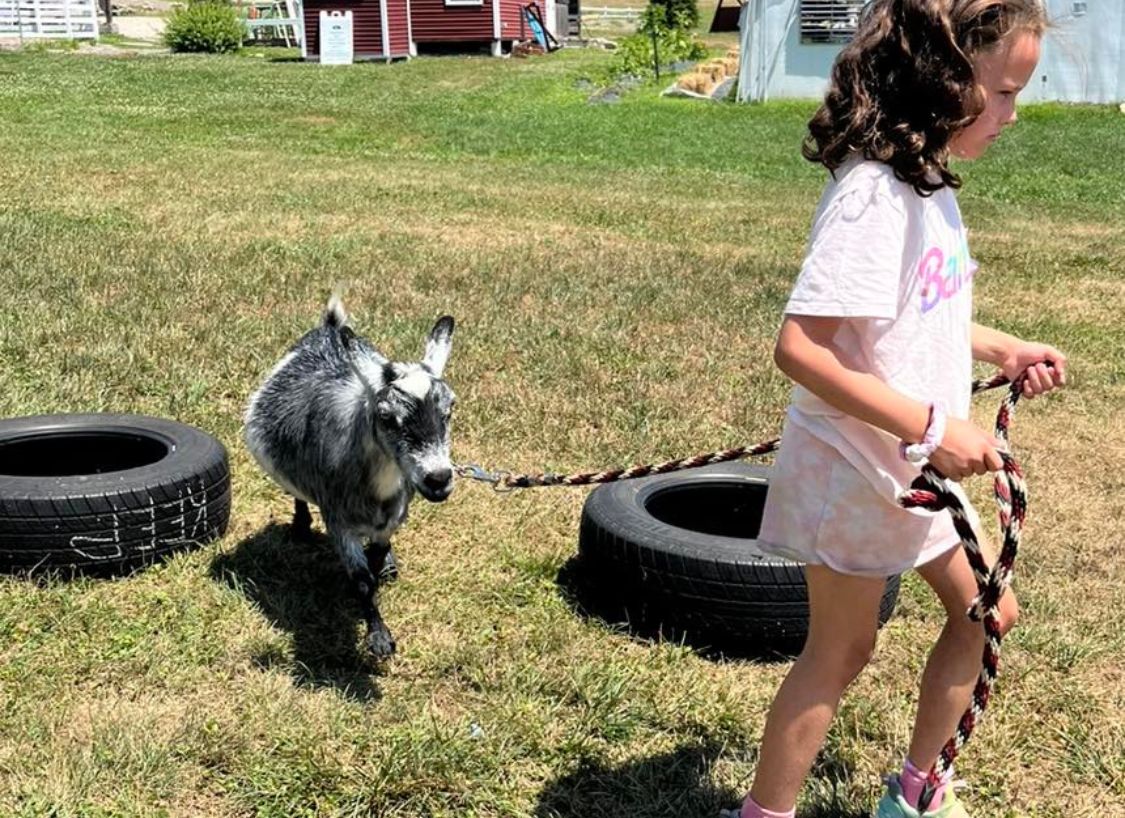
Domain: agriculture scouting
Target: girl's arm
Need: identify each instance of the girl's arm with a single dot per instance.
(806, 353)
(1014, 356)
(992, 345)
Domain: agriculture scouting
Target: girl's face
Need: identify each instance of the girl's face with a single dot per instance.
(1002, 72)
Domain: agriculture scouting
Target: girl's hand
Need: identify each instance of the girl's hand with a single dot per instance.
(1034, 358)
(966, 450)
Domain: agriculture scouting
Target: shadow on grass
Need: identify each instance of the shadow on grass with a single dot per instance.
(676, 783)
(591, 597)
(301, 588)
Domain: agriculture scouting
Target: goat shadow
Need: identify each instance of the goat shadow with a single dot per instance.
(678, 783)
(301, 587)
(591, 598)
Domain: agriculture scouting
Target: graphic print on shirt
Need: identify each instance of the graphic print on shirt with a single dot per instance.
(943, 277)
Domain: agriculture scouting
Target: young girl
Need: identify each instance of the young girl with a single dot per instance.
(879, 339)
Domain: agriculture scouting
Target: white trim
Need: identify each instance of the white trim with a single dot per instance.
(304, 39)
(464, 2)
(413, 49)
(495, 25)
(386, 33)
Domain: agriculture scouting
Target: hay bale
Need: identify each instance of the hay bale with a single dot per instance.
(714, 69)
(697, 82)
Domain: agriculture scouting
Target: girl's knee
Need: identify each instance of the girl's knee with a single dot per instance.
(842, 661)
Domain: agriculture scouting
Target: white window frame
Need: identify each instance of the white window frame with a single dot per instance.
(465, 2)
(829, 22)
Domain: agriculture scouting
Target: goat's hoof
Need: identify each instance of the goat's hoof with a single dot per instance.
(380, 644)
(389, 571)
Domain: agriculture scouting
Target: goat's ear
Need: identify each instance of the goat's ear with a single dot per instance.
(438, 345)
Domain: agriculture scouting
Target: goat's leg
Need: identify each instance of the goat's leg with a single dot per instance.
(379, 641)
(301, 529)
(381, 561)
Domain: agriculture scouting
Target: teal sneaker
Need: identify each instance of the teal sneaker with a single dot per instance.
(893, 805)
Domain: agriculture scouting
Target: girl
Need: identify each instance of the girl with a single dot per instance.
(878, 337)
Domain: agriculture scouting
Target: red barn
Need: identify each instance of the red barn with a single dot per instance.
(380, 28)
(389, 29)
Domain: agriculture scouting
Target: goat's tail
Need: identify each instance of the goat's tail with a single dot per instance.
(334, 314)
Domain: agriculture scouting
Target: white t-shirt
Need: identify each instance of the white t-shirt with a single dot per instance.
(896, 265)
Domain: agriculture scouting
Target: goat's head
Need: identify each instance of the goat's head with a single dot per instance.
(412, 413)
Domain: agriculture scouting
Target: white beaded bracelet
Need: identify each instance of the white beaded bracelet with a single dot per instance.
(931, 440)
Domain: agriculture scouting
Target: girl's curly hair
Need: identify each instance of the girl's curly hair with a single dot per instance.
(904, 85)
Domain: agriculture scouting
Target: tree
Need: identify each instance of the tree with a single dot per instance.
(682, 14)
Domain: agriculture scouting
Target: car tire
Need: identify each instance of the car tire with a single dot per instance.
(677, 553)
(107, 493)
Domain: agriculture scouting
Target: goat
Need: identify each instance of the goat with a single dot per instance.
(339, 425)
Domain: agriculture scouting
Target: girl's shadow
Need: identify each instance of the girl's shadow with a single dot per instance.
(677, 784)
(302, 589)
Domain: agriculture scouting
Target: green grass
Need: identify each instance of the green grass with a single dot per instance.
(168, 225)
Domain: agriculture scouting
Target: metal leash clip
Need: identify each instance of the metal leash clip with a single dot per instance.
(476, 472)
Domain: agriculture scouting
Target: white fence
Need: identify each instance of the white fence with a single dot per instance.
(55, 19)
(610, 14)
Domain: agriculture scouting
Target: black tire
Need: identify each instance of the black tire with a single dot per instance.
(105, 493)
(676, 553)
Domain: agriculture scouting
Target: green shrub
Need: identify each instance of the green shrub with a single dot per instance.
(682, 14)
(634, 56)
(209, 26)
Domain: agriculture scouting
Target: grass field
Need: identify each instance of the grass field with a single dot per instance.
(169, 225)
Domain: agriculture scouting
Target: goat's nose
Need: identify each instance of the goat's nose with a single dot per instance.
(438, 480)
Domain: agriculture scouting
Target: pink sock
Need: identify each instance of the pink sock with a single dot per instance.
(913, 780)
(751, 809)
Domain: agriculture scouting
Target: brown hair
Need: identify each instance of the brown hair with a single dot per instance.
(904, 85)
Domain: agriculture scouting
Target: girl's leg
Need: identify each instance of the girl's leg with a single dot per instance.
(954, 663)
(843, 622)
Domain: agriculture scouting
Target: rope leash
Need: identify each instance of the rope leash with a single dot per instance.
(503, 480)
(931, 490)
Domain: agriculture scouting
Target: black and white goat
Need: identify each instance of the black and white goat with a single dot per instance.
(339, 425)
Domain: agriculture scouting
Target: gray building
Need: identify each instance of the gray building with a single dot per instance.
(788, 47)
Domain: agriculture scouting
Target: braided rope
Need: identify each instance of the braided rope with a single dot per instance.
(523, 481)
(931, 490)
(503, 480)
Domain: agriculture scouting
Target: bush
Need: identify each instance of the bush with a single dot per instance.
(212, 27)
(682, 14)
(634, 56)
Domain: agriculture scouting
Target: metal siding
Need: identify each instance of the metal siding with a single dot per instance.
(435, 22)
(367, 29)
(398, 23)
(510, 11)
